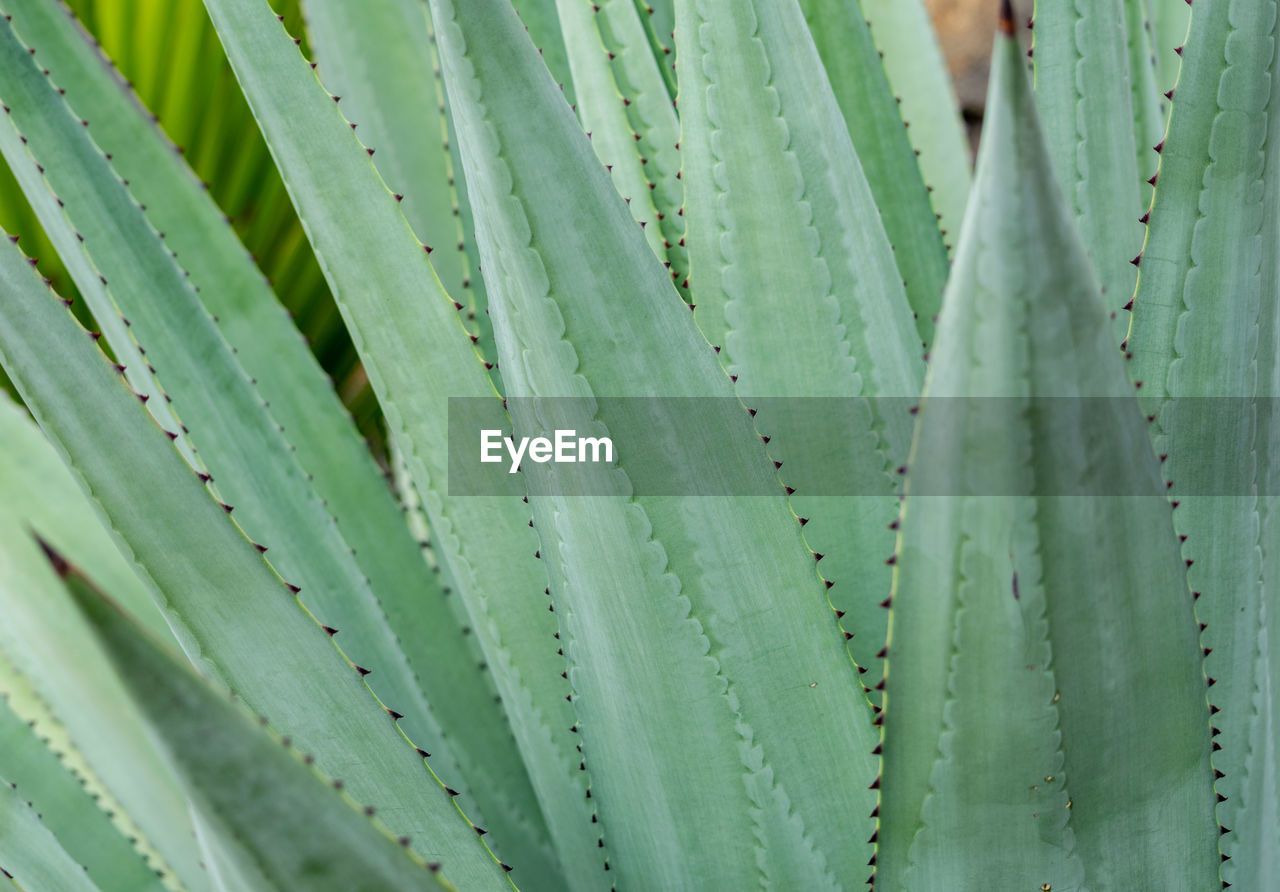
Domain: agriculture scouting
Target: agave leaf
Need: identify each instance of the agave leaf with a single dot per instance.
(247, 449)
(659, 17)
(1040, 613)
(45, 639)
(1204, 344)
(883, 145)
(372, 57)
(30, 856)
(292, 830)
(60, 795)
(1085, 99)
(38, 492)
(542, 21)
(625, 106)
(918, 74)
(417, 355)
(1148, 108)
(230, 611)
(668, 571)
(169, 54)
(1170, 20)
(803, 294)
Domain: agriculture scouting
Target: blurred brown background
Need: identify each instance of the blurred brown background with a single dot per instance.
(965, 28)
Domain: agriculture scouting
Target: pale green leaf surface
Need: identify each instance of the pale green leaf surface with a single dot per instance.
(417, 355)
(240, 442)
(918, 74)
(41, 631)
(660, 24)
(1170, 20)
(230, 611)
(739, 645)
(302, 400)
(74, 816)
(883, 145)
(1203, 344)
(37, 491)
(542, 21)
(1044, 689)
(1148, 111)
(625, 107)
(1085, 99)
(289, 826)
(30, 856)
(371, 55)
(794, 277)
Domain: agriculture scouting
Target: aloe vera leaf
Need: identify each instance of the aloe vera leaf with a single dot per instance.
(1003, 639)
(1170, 20)
(1148, 112)
(625, 107)
(1203, 342)
(38, 492)
(230, 611)
(408, 333)
(30, 856)
(73, 814)
(692, 577)
(542, 21)
(794, 276)
(240, 441)
(292, 830)
(1085, 100)
(373, 58)
(918, 73)
(884, 148)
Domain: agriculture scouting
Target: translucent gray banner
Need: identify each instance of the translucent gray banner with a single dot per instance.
(848, 446)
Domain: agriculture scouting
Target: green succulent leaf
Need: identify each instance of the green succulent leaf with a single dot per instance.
(44, 638)
(1204, 346)
(1149, 118)
(918, 73)
(883, 145)
(542, 21)
(60, 795)
(372, 57)
(417, 355)
(230, 611)
(30, 856)
(660, 25)
(292, 831)
(240, 443)
(1040, 612)
(1170, 20)
(1085, 99)
(668, 571)
(625, 106)
(794, 277)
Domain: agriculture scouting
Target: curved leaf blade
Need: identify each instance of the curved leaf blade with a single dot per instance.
(884, 148)
(215, 589)
(1025, 376)
(291, 830)
(1085, 99)
(1203, 343)
(408, 332)
(794, 277)
(666, 570)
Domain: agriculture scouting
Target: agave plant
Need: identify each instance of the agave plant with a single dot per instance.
(1006, 623)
